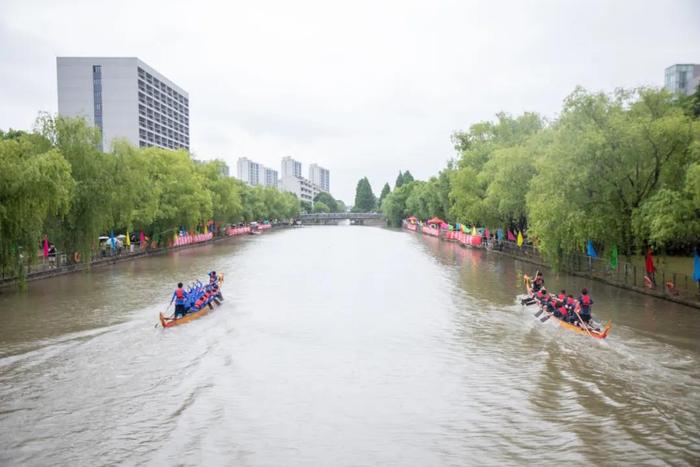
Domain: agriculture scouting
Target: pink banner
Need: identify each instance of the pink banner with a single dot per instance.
(412, 227)
(264, 226)
(231, 231)
(431, 231)
(192, 238)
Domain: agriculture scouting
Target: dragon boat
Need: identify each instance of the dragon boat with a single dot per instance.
(196, 292)
(595, 330)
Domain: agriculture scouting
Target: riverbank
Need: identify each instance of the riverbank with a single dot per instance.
(125, 256)
(672, 286)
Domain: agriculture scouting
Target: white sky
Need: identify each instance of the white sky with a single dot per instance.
(360, 87)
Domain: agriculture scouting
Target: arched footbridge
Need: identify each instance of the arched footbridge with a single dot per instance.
(359, 218)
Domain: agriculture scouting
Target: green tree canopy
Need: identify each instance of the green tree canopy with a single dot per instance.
(364, 198)
(385, 191)
(327, 200)
(320, 206)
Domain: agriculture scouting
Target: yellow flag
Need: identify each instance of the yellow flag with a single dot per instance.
(127, 241)
(474, 230)
(520, 238)
(174, 237)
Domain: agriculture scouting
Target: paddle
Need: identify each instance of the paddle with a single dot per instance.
(585, 326)
(166, 312)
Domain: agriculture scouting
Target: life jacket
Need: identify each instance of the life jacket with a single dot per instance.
(179, 296)
(561, 297)
(570, 301)
(539, 294)
(563, 310)
(586, 302)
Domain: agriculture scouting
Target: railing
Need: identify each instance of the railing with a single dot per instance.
(663, 282)
(341, 215)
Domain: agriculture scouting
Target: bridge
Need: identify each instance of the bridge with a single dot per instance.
(356, 218)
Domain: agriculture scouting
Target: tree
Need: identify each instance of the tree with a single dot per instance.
(394, 205)
(306, 207)
(35, 182)
(328, 200)
(364, 198)
(321, 207)
(94, 196)
(385, 191)
(399, 180)
(407, 177)
(620, 157)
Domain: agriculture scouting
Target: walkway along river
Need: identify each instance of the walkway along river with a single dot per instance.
(340, 346)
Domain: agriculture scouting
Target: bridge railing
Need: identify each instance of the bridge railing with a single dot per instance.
(342, 215)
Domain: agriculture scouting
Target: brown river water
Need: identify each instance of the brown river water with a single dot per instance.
(341, 346)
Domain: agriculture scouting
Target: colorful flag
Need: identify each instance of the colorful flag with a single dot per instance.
(590, 251)
(499, 234)
(520, 238)
(487, 234)
(696, 266)
(511, 236)
(613, 257)
(142, 239)
(46, 247)
(474, 230)
(127, 241)
(112, 240)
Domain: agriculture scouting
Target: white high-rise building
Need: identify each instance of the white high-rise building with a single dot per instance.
(290, 167)
(248, 171)
(320, 177)
(301, 187)
(270, 177)
(125, 99)
(682, 78)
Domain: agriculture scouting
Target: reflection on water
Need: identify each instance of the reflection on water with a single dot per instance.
(340, 346)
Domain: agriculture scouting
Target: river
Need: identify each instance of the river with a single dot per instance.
(342, 346)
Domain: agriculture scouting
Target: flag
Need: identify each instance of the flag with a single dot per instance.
(511, 236)
(112, 239)
(590, 251)
(487, 234)
(499, 234)
(142, 239)
(175, 237)
(696, 266)
(127, 242)
(520, 238)
(46, 247)
(474, 230)
(613, 257)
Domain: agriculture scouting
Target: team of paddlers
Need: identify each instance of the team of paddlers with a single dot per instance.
(562, 306)
(197, 296)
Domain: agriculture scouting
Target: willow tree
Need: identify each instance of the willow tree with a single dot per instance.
(616, 164)
(91, 209)
(225, 192)
(35, 182)
(491, 153)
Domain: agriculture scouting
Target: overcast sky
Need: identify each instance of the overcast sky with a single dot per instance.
(360, 87)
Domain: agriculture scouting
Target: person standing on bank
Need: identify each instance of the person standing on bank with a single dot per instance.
(179, 296)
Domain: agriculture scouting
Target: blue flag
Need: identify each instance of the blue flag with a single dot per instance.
(499, 234)
(590, 251)
(696, 266)
(112, 239)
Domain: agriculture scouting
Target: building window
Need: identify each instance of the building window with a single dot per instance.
(97, 99)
